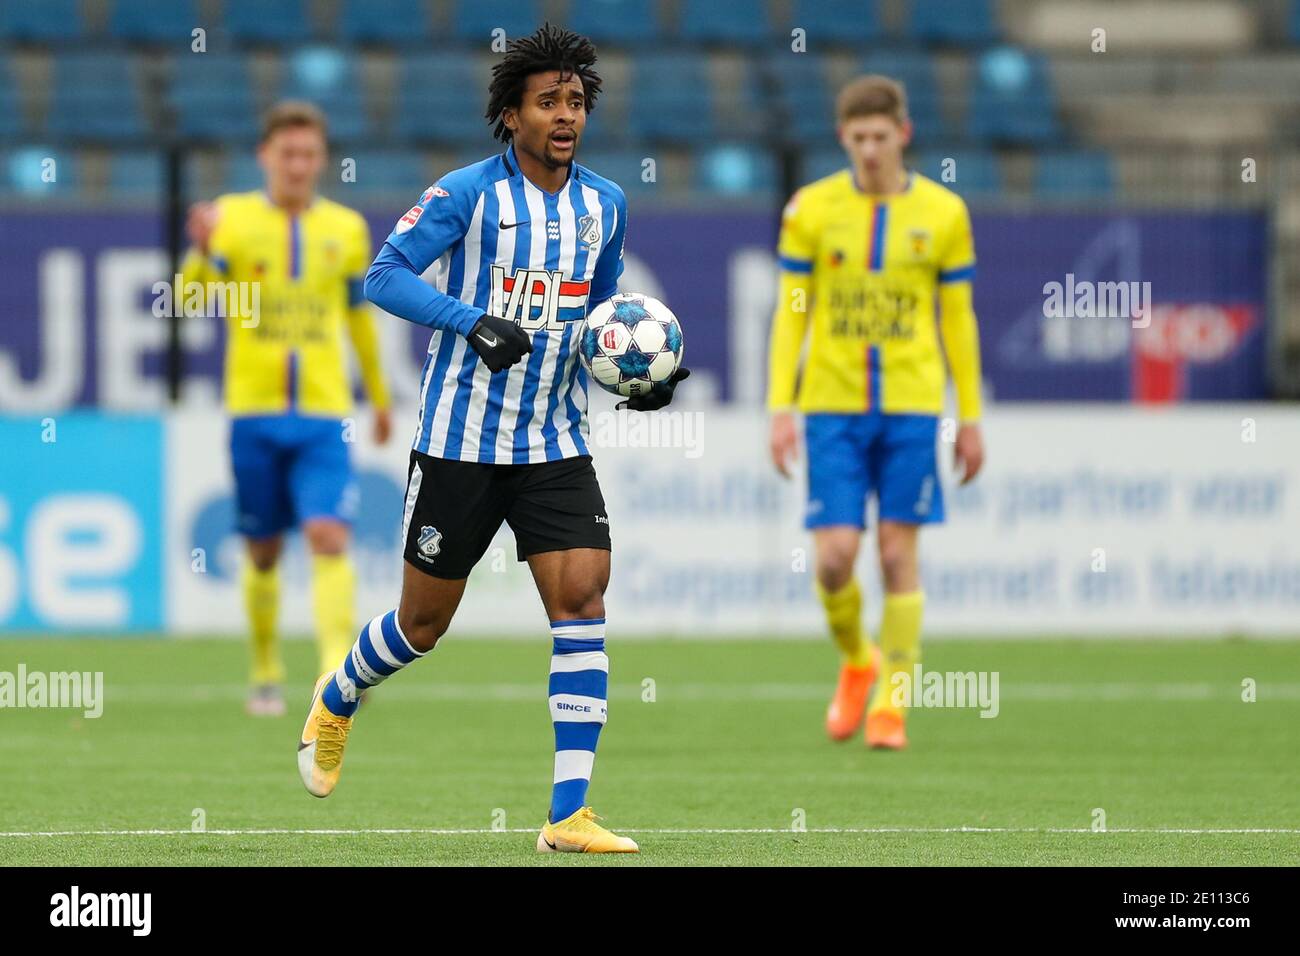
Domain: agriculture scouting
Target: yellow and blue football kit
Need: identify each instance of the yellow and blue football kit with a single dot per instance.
(288, 391)
(873, 283)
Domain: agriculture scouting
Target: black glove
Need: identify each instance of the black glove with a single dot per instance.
(659, 395)
(499, 343)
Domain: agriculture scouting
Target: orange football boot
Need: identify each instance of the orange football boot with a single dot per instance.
(885, 730)
(850, 700)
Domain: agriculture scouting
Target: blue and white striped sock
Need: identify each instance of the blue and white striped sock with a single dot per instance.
(381, 650)
(578, 692)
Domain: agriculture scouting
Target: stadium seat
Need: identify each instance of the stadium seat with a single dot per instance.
(1012, 100)
(837, 22)
(241, 173)
(821, 163)
(95, 98)
(474, 20)
(12, 121)
(327, 77)
(624, 166)
(617, 21)
(212, 97)
(136, 176)
(915, 71)
(804, 102)
(731, 22)
(432, 104)
(974, 173)
(23, 172)
(268, 21)
(672, 98)
(41, 21)
(154, 21)
(969, 23)
(387, 22)
(380, 172)
(1074, 175)
(736, 171)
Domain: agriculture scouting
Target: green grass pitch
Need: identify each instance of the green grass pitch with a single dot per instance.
(1153, 733)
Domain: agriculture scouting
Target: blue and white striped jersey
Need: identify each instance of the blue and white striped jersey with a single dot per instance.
(502, 245)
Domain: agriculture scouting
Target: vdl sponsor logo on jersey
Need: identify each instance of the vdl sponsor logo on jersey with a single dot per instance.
(538, 298)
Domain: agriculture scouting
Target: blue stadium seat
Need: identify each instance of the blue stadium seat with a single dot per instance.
(969, 23)
(154, 21)
(916, 72)
(974, 173)
(1074, 175)
(618, 21)
(1295, 21)
(672, 98)
(821, 163)
(626, 167)
(95, 98)
(136, 176)
(41, 21)
(736, 171)
(388, 22)
(837, 22)
(474, 20)
(327, 77)
(241, 173)
(23, 172)
(385, 172)
(1012, 100)
(212, 96)
(11, 112)
(441, 99)
(731, 22)
(805, 105)
(268, 21)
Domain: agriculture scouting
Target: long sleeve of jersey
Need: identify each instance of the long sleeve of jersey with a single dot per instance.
(957, 324)
(429, 228)
(796, 253)
(363, 330)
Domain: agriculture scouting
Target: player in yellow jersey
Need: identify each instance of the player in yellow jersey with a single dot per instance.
(287, 387)
(876, 269)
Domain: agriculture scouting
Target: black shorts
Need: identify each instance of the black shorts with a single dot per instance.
(455, 508)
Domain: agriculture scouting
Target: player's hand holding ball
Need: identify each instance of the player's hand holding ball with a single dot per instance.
(632, 346)
(498, 342)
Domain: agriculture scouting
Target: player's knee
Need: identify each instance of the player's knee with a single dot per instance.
(583, 601)
(423, 627)
(835, 566)
(897, 565)
(326, 537)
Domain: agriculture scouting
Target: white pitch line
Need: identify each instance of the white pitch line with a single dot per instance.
(685, 831)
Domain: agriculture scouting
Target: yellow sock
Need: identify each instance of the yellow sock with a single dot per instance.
(900, 640)
(262, 601)
(333, 587)
(844, 615)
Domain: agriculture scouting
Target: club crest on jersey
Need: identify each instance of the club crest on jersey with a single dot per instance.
(920, 239)
(430, 542)
(589, 231)
(537, 299)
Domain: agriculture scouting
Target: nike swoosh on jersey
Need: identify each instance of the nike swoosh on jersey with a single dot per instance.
(502, 224)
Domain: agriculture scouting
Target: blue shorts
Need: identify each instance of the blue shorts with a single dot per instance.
(289, 469)
(852, 456)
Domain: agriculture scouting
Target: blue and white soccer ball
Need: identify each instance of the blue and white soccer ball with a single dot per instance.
(630, 342)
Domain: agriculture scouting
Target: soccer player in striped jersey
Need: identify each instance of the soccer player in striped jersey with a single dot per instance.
(287, 387)
(523, 244)
(866, 254)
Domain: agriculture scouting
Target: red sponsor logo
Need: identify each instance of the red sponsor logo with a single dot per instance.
(410, 219)
(1180, 335)
(610, 339)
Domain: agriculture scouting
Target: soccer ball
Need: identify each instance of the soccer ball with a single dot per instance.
(630, 342)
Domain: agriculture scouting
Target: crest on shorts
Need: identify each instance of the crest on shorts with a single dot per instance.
(430, 542)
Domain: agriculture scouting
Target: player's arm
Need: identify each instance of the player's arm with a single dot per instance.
(393, 283)
(604, 284)
(206, 259)
(961, 344)
(796, 254)
(363, 331)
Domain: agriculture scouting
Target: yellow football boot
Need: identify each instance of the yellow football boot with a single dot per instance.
(320, 751)
(580, 833)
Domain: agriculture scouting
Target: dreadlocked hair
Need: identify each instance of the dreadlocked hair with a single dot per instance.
(550, 48)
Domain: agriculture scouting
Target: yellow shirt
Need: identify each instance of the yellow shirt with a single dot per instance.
(307, 271)
(879, 279)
